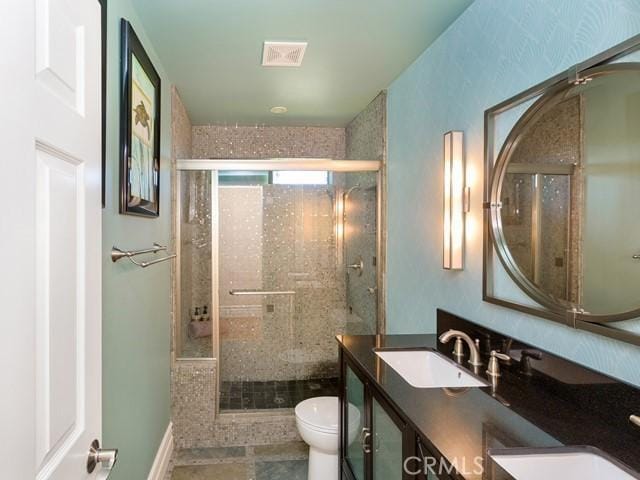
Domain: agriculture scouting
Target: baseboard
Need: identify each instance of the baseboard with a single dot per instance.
(161, 462)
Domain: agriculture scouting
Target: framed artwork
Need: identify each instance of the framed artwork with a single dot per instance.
(139, 129)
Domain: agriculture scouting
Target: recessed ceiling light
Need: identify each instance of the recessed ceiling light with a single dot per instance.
(278, 110)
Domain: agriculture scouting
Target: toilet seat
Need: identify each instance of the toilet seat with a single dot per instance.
(322, 414)
(317, 428)
(319, 413)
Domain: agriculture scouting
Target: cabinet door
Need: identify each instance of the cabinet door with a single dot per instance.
(354, 452)
(389, 445)
(431, 465)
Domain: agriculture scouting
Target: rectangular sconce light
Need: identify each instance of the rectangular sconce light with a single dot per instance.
(456, 201)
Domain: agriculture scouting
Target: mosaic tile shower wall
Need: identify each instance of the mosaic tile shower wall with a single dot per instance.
(193, 407)
(215, 141)
(279, 238)
(229, 142)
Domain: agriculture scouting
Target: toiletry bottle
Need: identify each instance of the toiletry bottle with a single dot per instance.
(196, 315)
(205, 314)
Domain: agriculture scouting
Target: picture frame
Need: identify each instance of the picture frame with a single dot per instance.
(139, 129)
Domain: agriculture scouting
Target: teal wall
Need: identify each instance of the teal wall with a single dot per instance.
(136, 302)
(493, 51)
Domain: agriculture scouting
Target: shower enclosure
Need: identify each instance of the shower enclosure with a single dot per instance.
(276, 257)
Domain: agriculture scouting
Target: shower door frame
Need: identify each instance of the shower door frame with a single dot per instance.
(275, 164)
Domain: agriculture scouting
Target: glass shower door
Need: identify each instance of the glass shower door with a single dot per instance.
(281, 292)
(360, 241)
(194, 331)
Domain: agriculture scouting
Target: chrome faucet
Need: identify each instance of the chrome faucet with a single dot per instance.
(458, 349)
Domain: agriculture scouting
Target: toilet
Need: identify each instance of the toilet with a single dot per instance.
(317, 421)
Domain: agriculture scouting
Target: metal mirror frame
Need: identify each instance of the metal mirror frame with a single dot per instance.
(547, 94)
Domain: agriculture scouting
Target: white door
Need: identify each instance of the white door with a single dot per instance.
(50, 283)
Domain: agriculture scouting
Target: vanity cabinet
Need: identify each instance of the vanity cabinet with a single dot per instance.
(435, 469)
(355, 455)
(378, 446)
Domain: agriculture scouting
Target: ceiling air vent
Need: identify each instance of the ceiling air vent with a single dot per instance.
(283, 54)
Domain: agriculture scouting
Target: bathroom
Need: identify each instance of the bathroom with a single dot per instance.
(373, 240)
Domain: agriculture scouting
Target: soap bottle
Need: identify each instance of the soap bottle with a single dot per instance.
(196, 317)
(205, 314)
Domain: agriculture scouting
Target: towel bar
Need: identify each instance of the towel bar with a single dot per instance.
(117, 254)
(261, 292)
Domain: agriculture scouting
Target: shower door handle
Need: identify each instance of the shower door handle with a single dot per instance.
(636, 257)
(358, 266)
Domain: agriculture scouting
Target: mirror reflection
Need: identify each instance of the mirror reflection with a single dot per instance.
(570, 195)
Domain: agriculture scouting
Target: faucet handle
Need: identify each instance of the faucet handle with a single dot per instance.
(494, 363)
(525, 364)
(535, 354)
(501, 356)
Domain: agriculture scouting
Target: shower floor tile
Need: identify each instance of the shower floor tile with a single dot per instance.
(252, 395)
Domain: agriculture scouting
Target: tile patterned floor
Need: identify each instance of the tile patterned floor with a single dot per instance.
(266, 462)
(276, 394)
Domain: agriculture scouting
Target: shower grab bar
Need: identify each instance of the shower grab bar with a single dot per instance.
(117, 254)
(262, 292)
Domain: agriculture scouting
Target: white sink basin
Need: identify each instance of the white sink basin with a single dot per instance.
(428, 369)
(568, 465)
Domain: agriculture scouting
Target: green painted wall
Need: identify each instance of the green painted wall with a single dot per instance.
(136, 302)
(612, 190)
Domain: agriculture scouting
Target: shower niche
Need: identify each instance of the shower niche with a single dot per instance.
(273, 264)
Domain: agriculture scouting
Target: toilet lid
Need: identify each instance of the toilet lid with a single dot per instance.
(321, 413)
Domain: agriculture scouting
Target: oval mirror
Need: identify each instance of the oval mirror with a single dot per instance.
(566, 196)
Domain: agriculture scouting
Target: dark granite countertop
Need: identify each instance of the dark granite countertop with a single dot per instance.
(538, 411)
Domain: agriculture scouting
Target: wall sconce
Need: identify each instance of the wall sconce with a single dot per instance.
(456, 201)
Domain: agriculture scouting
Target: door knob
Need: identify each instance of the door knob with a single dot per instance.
(104, 456)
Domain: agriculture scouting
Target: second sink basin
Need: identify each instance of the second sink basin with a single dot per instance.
(568, 463)
(428, 369)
